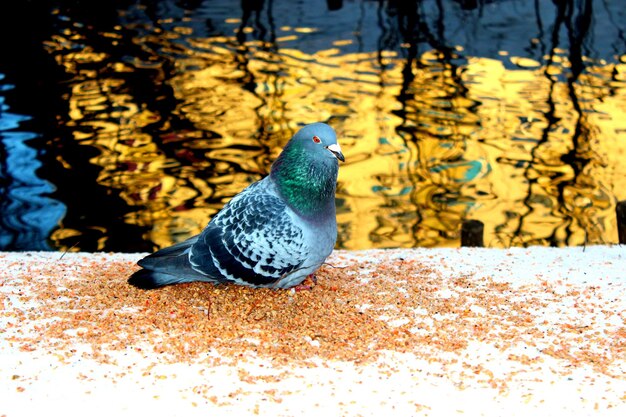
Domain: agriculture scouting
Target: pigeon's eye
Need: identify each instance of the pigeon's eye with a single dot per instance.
(316, 139)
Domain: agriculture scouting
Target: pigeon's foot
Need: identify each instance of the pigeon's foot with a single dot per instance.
(307, 285)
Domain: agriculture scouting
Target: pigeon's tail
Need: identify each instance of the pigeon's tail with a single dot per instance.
(165, 267)
(146, 279)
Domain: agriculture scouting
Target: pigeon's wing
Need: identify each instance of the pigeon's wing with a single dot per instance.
(252, 241)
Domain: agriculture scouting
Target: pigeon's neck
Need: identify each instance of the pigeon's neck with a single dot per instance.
(307, 185)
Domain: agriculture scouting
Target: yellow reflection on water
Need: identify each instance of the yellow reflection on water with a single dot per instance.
(536, 158)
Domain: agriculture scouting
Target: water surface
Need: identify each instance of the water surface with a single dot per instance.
(137, 121)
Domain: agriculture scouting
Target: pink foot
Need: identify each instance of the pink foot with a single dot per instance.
(304, 286)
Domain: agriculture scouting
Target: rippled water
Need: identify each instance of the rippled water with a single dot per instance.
(126, 128)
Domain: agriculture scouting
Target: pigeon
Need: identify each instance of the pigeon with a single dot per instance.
(273, 234)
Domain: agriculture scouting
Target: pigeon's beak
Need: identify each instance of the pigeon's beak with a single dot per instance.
(336, 150)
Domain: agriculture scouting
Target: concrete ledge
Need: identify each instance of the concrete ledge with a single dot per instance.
(433, 332)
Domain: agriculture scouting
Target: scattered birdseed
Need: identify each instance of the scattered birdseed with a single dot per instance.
(375, 316)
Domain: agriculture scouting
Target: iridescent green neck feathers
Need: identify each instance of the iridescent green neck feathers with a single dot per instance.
(306, 179)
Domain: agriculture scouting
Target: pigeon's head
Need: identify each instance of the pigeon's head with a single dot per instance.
(319, 140)
(306, 170)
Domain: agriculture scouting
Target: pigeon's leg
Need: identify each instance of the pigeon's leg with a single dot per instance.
(311, 278)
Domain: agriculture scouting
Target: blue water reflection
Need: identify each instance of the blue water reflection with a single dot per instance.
(28, 215)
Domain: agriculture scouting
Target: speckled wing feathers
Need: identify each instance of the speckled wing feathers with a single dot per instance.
(252, 241)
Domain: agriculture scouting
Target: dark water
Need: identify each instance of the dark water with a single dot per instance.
(125, 125)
